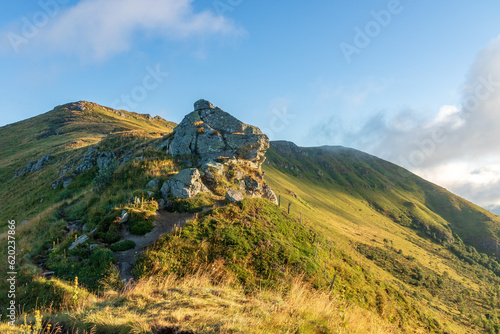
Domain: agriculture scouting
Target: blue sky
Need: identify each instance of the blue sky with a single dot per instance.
(277, 65)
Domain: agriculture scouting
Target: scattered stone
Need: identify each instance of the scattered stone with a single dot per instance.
(127, 157)
(124, 217)
(34, 166)
(234, 195)
(84, 166)
(186, 184)
(56, 184)
(208, 175)
(80, 240)
(94, 246)
(161, 204)
(91, 151)
(25, 169)
(40, 163)
(105, 159)
(153, 184)
(66, 181)
(65, 170)
(88, 161)
(73, 226)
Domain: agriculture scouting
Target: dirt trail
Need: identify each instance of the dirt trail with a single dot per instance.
(164, 223)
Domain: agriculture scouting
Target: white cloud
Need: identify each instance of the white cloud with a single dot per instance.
(458, 147)
(449, 116)
(100, 29)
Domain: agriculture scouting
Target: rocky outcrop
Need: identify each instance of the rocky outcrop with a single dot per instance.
(65, 181)
(80, 240)
(89, 161)
(105, 159)
(186, 184)
(124, 217)
(234, 195)
(269, 194)
(210, 133)
(153, 184)
(34, 166)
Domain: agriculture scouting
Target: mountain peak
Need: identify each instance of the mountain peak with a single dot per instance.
(82, 106)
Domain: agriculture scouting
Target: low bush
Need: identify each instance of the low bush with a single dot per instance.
(123, 246)
(141, 227)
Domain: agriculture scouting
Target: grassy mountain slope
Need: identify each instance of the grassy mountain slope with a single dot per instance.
(413, 233)
(404, 255)
(64, 132)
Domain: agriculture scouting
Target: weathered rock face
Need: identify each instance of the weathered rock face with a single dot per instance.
(209, 133)
(105, 159)
(234, 195)
(153, 184)
(186, 184)
(34, 166)
(269, 194)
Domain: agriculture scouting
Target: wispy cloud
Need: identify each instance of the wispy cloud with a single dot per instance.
(98, 29)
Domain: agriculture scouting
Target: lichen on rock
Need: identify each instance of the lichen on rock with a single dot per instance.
(210, 133)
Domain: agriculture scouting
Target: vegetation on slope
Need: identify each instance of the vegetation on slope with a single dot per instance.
(195, 304)
(406, 255)
(349, 194)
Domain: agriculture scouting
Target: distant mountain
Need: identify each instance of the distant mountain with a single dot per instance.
(405, 198)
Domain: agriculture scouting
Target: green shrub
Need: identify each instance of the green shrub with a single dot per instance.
(112, 235)
(123, 246)
(93, 269)
(141, 227)
(141, 220)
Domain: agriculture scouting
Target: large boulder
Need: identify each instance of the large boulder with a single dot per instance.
(186, 184)
(234, 195)
(210, 133)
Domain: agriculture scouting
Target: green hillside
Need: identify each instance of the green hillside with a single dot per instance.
(357, 244)
(65, 133)
(429, 242)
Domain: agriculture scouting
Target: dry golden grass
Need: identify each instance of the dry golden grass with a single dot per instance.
(195, 303)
